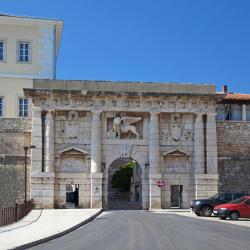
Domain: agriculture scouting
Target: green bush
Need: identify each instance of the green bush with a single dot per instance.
(122, 177)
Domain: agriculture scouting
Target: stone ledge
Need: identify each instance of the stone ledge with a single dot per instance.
(43, 175)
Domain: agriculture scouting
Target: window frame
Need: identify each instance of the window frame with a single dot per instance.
(228, 112)
(248, 112)
(2, 111)
(24, 41)
(23, 110)
(4, 50)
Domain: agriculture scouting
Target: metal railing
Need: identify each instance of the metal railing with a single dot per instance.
(9, 215)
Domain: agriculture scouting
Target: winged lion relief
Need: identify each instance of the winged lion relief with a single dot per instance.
(123, 125)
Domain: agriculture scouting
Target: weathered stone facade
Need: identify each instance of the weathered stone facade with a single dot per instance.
(168, 129)
(14, 135)
(234, 156)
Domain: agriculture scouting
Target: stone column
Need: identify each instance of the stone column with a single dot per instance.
(42, 183)
(96, 140)
(49, 142)
(36, 141)
(212, 158)
(206, 185)
(244, 112)
(96, 160)
(154, 162)
(199, 144)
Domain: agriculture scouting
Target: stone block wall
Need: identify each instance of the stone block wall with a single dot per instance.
(14, 135)
(234, 156)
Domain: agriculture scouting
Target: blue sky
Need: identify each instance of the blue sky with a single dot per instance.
(199, 41)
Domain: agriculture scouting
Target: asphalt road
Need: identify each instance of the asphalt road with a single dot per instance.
(142, 230)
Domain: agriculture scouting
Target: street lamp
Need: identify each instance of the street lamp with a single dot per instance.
(26, 148)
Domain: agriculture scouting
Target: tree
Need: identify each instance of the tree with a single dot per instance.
(122, 177)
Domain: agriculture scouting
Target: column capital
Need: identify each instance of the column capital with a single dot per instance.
(96, 114)
(36, 113)
(211, 116)
(199, 114)
(154, 115)
(96, 111)
(198, 117)
(50, 113)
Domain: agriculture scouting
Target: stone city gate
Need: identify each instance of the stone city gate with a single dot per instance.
(80, 127)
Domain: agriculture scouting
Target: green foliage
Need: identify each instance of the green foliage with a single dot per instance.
(122, 177)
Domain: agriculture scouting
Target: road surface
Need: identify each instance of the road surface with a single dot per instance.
(143, 230)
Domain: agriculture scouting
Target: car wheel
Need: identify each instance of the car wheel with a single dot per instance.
(223, 218)
(206, 211)
(234, 215)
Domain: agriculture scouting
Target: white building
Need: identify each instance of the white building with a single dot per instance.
(28, 50)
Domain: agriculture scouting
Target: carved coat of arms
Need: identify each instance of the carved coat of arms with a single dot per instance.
(176, 128)
(71, 126)
(176, 132)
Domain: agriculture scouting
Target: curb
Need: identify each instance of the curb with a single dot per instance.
(52, 237)
(169, 211)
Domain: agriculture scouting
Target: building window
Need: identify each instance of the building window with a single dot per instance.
(248, 112)
(236, 112)
(1, 106)
(228, 112)
(2, 51)
(23, 107)
(24, 52)
(233, 112)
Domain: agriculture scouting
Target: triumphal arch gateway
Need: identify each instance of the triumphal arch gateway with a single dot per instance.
(80, 128)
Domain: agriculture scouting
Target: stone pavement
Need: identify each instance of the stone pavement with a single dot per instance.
(44, 224)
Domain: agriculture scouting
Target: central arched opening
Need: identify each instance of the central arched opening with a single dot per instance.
(124, 184)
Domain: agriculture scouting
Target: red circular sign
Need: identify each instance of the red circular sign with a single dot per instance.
(161, 183)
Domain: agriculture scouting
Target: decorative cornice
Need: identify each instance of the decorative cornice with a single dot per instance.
(74, 149)
(176, 153)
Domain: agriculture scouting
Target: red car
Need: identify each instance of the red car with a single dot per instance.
(239, 208)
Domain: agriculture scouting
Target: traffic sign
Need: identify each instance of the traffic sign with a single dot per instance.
(161, 183)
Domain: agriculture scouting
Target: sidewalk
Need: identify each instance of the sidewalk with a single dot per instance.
(41, 224)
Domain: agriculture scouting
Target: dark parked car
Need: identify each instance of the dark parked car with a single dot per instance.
(204, 207)
(234, 209)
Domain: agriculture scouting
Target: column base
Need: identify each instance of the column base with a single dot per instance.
(96, 190)
(206, 185)
(42, 190)
(154, 191)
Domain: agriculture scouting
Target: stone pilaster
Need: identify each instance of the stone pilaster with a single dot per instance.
(96, 141)
(36, 140)
(212, 158)
(154, 162)
(154, 143)
(199, 144)
(49, 141)
(96, 160)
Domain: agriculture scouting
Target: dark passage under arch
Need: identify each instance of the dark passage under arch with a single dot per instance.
(124, 184)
